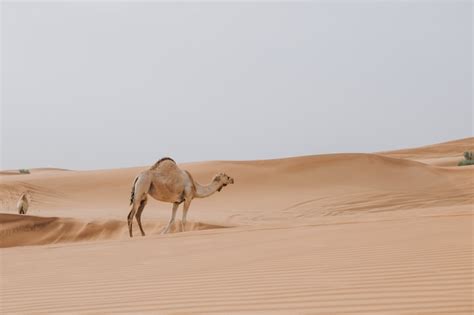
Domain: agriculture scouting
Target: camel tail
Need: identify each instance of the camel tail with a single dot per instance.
(132, 196)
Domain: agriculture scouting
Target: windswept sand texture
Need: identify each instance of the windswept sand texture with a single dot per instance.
(347, 233)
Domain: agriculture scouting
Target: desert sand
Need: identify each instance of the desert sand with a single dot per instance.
(390, 232)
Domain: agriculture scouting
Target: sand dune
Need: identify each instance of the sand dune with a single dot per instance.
(379, 267)
(342, 233)
(33, 171)
(264, 190)
(442, 154)
(22, 230)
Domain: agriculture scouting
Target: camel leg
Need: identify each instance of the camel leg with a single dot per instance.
(139, 193)
(131, 214)
(138, 215)
(173, 215)
(186, 205)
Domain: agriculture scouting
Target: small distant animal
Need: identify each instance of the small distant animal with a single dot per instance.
(23, 203)
(165, 181)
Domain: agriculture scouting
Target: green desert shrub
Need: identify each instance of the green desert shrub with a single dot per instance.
(466, 162)
(24, 171)
(468, 159)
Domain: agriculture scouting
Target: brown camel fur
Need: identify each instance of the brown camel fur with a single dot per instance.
(23, 203)
(165, 181)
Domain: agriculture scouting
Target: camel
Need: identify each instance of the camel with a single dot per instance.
(23, 203)
(165, 181)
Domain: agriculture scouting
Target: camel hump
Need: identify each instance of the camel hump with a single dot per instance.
(160, 161)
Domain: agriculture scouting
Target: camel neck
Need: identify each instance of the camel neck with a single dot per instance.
(206, 190)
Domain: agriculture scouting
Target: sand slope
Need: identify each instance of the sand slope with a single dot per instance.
(22, 230)
(392, 266)
(442, 154)
(344, 233)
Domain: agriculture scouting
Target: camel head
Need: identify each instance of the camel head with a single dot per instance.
(224, 180)
(25, 195)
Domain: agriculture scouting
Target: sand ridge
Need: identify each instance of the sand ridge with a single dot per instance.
(24, 230)
(341, 233)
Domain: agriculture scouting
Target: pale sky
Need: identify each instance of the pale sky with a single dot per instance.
(115, 84)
